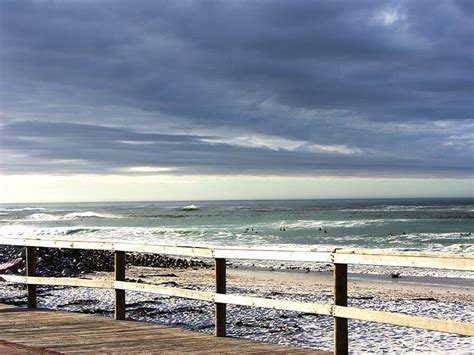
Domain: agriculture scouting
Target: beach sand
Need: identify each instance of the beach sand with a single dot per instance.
(434, 297)
(297, 282)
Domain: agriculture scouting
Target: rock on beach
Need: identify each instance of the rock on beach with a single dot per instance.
(74, 262)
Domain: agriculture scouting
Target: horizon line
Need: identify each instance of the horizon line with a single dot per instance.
(258, 199)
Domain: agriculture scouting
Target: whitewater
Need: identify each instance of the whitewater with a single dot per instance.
(429, 225)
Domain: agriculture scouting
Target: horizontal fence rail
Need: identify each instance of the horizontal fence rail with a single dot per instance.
(463, 262)
(339, 257)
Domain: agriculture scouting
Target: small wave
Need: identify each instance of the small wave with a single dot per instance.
(402, 208)
(461, 209)
(46, 217)
(42, 217)
(163, 216)
(24, 209)
(459, 248)
(80, 230)
(303, 224)
(190, 208)
(430, 237)
(89, 214)
(387, 209)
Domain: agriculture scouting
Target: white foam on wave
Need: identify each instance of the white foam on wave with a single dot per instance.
(42, 217)
(430, 236)
(397, 208)
(47, 217)
(190, 208)
(6, 209)
(25, 231)
(89, 214)
(460, 248)
(307, 224)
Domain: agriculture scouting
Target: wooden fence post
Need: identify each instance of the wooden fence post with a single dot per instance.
(341, 338)
(31, 271)
(220, 308)
(119, 261)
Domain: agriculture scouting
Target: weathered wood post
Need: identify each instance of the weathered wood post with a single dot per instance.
(119, 259)
(31, 271)
(220, 308)
(341, 339)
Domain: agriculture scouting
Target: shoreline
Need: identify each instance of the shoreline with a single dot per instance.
(376, 270)
(426, 280)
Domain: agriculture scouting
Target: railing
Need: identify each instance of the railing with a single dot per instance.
(339, 257)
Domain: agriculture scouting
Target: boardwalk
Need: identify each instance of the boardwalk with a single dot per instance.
(24, 331)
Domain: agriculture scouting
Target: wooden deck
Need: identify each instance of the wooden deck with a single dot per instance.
(26, 331)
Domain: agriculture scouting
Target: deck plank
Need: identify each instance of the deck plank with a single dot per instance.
(26, 331)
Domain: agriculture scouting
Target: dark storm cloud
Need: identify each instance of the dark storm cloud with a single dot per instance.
(364, 87)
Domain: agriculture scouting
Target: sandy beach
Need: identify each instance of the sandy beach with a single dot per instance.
(435, 297)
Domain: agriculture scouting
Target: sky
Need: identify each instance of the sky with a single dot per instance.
(164, 100)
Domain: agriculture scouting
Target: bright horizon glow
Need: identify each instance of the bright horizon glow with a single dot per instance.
(42, 188)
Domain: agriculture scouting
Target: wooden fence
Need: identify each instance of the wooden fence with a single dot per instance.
(339, 257)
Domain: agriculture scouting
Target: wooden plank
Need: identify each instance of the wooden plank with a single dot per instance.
(119, 265)
(220, 308)
(432, 261)
(56, 281)
(406, 320)
(11, 348)
(166, 291)
(189, 251)
(281, 255)
(31, 271)
(131, 336)
(437, 255)
(142, 247)
(341, 334)
(297, 306)
(70, 325)
(57, 243)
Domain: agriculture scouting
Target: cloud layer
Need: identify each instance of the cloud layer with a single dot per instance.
(253, 87)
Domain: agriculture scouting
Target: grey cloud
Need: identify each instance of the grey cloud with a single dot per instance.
(86, 148)
(333, 73)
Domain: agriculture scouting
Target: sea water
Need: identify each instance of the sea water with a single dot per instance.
(436, 225)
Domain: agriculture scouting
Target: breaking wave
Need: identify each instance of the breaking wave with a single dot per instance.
(47, 217)
(190, 208)
(72, 231)
(23, 209)
(304, 224)
(89, 214)
(42, 217)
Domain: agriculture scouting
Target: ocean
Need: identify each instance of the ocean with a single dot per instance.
(435, 225)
